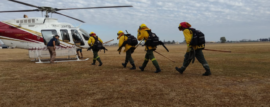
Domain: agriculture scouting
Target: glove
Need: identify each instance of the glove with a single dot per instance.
(189, 49)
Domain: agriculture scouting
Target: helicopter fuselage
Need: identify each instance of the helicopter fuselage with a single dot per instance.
(27, 33)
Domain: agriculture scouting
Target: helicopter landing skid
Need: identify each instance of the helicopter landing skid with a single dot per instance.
(75, 60)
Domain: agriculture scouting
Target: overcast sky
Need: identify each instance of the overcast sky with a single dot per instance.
(234, 19)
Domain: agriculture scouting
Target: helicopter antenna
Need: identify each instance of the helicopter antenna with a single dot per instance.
(55, 10)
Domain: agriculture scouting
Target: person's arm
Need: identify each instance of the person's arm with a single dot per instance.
(140, 35)
(188, 38)
(121, 41)
(100, 40)
(90, 41)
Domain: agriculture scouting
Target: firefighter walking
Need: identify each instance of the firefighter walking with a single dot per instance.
(143, 35)
(129, 49)
(192, 51)
(94, 43)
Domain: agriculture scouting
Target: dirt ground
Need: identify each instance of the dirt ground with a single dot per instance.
(239, 79)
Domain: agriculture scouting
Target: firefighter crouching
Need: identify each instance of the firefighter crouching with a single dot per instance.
(143, 35)
(94, 42)
(129, 49)
(195, 51)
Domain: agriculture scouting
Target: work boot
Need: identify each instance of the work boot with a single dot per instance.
(94, 62)
(179, 70)
(207, 73)
(124, 65)
(158, 70)
(142, 69)
(133, 67)
(100, 64)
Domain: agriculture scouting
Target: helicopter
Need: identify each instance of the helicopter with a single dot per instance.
(35, 32)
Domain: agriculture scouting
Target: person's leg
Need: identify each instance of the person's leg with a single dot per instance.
(146, 59)
(78, 53)
(50, 51)
(98, 59)
(81, 53)
(185, 64)
(126, 60)
(154, 61)
(129, 52)
(94, 57)
(201, 59)
(53, 55)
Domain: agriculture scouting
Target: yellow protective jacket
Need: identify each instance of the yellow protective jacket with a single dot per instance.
(122, 39)
(143, 34)
(92, 40)
(188, 37)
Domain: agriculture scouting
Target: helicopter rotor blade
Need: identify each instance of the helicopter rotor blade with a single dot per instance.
(19, 11)
(93, 7)
(69, 17)
(24, 3)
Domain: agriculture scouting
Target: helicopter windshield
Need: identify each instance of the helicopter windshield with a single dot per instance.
(77, 38)
(85, 34)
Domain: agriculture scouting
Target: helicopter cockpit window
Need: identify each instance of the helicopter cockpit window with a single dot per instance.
(77, 38)
(65, 35)
(48, 35)
(85, 34)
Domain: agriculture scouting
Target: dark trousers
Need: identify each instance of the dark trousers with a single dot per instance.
(129, 57)
(199, 56)
(96, 57)
(150, 56)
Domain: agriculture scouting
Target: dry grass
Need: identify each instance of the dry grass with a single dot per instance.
(239, 79)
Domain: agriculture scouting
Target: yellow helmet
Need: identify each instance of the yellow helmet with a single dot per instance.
(143, 25)
(120, 31)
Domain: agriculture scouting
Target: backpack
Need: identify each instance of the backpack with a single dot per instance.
(131, 40)
(197, 38)
(153, 40)
(97, 45)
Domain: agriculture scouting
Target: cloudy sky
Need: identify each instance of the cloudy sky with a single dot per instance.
(234, 19)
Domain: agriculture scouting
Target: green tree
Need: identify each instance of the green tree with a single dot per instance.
(223, 40)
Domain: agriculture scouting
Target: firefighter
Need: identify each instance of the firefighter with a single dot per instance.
(192, 50)
(129, 49)
(143, 35)
(94, 45)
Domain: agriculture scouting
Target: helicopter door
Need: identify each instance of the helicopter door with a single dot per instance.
(65, 35)
(48, 35)
(78, 41)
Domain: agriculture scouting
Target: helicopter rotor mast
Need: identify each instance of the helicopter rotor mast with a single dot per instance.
(55, 10)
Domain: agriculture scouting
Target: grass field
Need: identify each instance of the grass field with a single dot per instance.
(240, 78)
